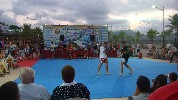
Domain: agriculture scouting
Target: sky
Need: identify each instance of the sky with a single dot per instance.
(137, 15)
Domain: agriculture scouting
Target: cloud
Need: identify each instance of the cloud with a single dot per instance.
(20, 8)
(99, 12)
(67, 10)
(6, 19)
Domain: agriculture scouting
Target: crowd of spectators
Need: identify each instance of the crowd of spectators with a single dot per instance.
(170, 52)
(161, 89)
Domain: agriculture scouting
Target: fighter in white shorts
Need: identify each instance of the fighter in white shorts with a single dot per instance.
(103, 58)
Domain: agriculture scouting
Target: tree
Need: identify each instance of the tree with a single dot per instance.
(164, 35)
(2, 23)
(115, 38)
(37, 34)
(137, 36)
(15, 28)
(151, 34)
(122, 35)
(174, 24)
(26, 32)
(1, 31)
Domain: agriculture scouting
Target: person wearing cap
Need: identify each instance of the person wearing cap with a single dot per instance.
(125, 57)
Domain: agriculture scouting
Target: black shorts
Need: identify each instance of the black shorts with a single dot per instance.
(138, 50)
(125, 60)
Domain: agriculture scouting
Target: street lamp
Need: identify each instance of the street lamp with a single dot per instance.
(163, 22)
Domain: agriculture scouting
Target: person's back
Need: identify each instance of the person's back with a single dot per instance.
(28, 89)
(33, 91)
(70, 88)
(142, 90)
(67, 91)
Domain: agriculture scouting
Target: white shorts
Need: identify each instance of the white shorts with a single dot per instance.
(123, 60)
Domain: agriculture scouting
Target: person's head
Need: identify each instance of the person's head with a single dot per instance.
(9, 91)
(123, 42)
(105, 44)
(172, 77)
(143, 84)
(27, 75)
(161, 80)
(68, 74)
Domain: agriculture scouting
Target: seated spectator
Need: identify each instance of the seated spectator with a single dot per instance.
(11, 62)
(3, 63)
(160, 81)
(70, 88)
(172, 77)
(168, 92)
(9, 91)
(28, 89)
(174, 54)
(1, 71)
(142, 90)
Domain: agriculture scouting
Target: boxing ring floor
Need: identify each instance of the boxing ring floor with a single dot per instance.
(48, 74)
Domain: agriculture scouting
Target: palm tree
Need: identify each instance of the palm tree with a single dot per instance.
(37, 33)
(151, 34)
(174, 24)
(165, 34)
(137, 36)
(26, 32)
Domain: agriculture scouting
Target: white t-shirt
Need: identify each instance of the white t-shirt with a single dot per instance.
(33, 91)
(168, 45)
(138, 46)
(174, 49)
(102, 53)
(52, 47)
(149, 46)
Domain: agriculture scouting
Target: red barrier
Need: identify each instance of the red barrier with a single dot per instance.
(75, 53)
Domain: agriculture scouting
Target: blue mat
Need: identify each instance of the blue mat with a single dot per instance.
(48, 74)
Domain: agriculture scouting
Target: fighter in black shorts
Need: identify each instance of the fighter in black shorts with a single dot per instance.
(125, 57)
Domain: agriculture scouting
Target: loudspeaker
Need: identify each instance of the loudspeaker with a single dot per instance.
(61, 37)
(92, 38)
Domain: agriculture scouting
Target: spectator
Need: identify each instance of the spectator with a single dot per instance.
(174, 53)
(172, 77)
(3, 63)
(160, 81)
(1, 72)
(70, 88)
(168, 92)
(28, 89)
(9, 91)
(142, 90)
